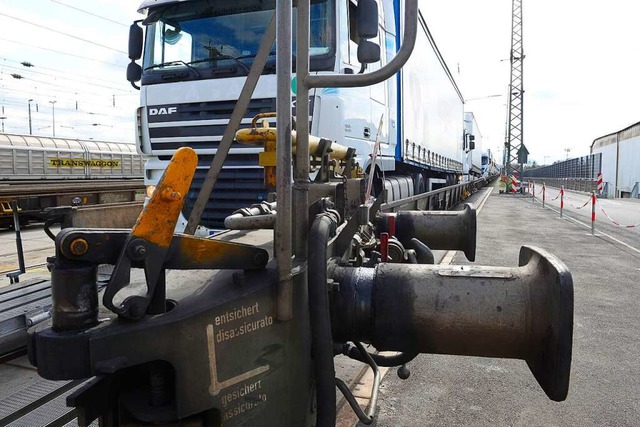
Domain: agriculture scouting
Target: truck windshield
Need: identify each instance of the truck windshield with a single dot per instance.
(210, 39)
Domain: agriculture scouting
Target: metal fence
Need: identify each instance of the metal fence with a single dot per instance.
(575, 174)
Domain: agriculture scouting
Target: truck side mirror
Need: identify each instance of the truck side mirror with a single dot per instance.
(472, 142)
(368, 52)
(134, 73)
(367, 19)
(134, 70)
(135, 41)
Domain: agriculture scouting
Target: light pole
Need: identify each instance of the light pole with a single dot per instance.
(53, 115)
(29, 106)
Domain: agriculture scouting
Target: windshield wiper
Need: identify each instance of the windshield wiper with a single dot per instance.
(164, 64)
(235, 59)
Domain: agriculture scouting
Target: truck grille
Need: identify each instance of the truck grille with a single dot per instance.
(201, 126)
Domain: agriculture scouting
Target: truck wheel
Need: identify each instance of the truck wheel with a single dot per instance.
(419, 184)
(376, 189)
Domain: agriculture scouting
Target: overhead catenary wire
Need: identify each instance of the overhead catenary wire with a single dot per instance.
(62, 33)
(90, 13)
(64, 53)
(64, 72)
(39, 94)
(74, 90)
(123, 118)
(62, 77)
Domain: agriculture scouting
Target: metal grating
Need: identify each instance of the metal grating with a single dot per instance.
(38, 404)
(18, 303)
(585, 167)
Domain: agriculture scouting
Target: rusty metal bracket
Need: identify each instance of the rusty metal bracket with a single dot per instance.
(100, 246)
(151, 236)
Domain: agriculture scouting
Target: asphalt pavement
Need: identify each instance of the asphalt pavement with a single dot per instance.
(37, 246)
(605, 374)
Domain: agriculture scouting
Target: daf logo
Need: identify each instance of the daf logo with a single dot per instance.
(162, 111)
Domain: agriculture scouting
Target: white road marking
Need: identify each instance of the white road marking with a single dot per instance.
(448, 257)
(599, 232)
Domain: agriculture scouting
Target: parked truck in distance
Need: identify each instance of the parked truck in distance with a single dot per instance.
(490, 167)
(197, 55)
(472, 147)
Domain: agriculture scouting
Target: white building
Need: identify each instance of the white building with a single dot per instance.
(620, 161)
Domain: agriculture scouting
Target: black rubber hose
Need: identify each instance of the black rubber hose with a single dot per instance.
(321, 340)
(47, 225)
(385, 361)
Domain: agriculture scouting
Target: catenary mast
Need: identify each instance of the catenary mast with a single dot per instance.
(514, 137)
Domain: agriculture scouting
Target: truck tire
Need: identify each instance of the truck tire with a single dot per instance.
(419, 184)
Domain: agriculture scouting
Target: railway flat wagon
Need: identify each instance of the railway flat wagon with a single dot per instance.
(27, 158)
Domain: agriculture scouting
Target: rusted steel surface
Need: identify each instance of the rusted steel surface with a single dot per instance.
(159, 217)
(523, 313)
(447, 230)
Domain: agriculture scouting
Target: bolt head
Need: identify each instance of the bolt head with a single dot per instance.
(79, 246)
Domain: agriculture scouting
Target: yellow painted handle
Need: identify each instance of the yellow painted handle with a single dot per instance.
(158, 219)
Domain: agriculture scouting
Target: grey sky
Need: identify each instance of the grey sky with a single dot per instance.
(580, 70)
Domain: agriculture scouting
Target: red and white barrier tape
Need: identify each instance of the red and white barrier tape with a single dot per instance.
(585, 204)
(616, 223)
(544, 190)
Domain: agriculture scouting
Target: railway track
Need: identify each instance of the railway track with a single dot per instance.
(27, 268)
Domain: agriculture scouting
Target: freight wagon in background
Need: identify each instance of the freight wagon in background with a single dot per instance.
(41, 172)
(34, 158)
